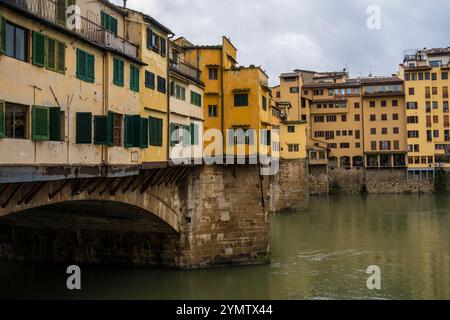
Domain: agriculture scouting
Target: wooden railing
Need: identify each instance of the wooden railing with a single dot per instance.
(52, 11)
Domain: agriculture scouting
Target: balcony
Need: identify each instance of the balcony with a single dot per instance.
(51, 11)
(186, 69)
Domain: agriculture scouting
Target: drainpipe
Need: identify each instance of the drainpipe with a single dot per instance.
(170, 37)
(105, 100)
(222, 101)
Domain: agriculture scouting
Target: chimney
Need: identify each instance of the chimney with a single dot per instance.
(124, 3)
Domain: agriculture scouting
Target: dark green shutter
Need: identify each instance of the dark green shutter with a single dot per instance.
(2, 34)
(144, 133)
(81, 64)
(134, 78)
(149, 38)
(51, 54)
(137, 131)
(128, 131)
(163, 47)
(113, 25)
(2, 119)
(38, 49)
(40, 124)
(61, 54)
(101, 130)
(90, 67)
(194, 134)
(84, 127)
(110, 130)
(172, 130)
(55, 124)
(156, 131)
(103, 19)
(118, 71)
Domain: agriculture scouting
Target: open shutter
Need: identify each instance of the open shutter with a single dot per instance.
(128, 131)
(84, 127)
(149, 38)
(51, 54)
(144, 133)
(113, 25)
(110, 129)
(55, 124)
(163, 47)
(2, 34)
(90, 67)
(40, 124)
(81, 64)
(38, 49)
(61, 57)
(103, 19)
(194, 134)
(2, 119)
(101, 130)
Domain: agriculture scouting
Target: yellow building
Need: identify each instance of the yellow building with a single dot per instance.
(71, 97)
(426, 75)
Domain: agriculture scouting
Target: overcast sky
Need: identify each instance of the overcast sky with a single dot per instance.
(320, 35)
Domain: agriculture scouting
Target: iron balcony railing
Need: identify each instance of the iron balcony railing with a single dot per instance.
(55, 12)
(186, 69)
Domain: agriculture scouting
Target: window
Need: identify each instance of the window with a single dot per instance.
(212, 111)
(291, 129)
(435, 119)
(136, 131)
(213, 73)
(156, 131)
(344, 145)
(278, 95)
(14, 41)
(373, 117)
(429, 135)
(373, 145)
(395, 116)
(163, 46)
(319, 118)
(373, 130)
(293, 148)
(436, 133)
(241, 100)
(445, 92)
(84, 127)
(385, 145)
(427, 92)
(434, 76)
(343, 118)
(293, 89)
(49, 53)
(411, 105)
(427, 76)
(134, 78)
(118, 66)
(179, 92)
(108, 22)
(357, 117)
(196, 99)
(85, 66)
(384, 130)
(149, 80)
(264, 103)
(357, 105)
(384, 103)
(372, 104)
(395, 103)
(435, 104)
(444, 75)
(162, 84)
(331, 118)
(434, 91)
(413, 134)
(384, 117)
(15, 120)
(411, 91)
(412, 119)
(407, 76)
(396, 145)
(357, 134)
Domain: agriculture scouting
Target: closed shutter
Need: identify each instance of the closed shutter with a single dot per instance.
(128, 131)
(134, 78)
(61, 11)
(172, 135)
(101, 130)
(137, 131)
(84, 127)
(61, 57)
(118, 72)
(38, 49)
(156, 131)
(90, 67)
(2, 35)
(51, 54)
(2, 119)
(40, 124)
(163, 47)
(194, 134)
(55, 124)
(110, 130)
(81, 64)
(144, 133)
(186, 136)
(103, 20)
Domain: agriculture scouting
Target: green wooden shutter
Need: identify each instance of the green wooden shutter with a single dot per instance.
(103, 19)
(61, 57)
(113, 25)
(40, 123)
(55, 124)
(2, 119)
(128, 131)
(194, 134)
(156, 131)
(163, 47)
(90, 67)
(137, 131)
(51, 54)
(172, 130)
(144, 133)
(110, 130)
(2, 34)
(134, 78)
(118, 72)
(84, 128)
(101, 130)
(81, 64)
(149, 38)
(38, 49)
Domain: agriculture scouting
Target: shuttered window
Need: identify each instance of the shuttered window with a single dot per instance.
(194, 134)
(85, 66)
(118, 71)
(40, 123)
(241, 100)
(196, 99)
(101, 130)
(55, 116)
(2, 35)
(84, 128)
(108, 22)
(162, 84)
(163, 47)
(134, 78)
(128, 131)
(144, 133)
(149, 80)
(137, 131)
(149, 38)
(156, 131)
(38, 49)
(2, 119)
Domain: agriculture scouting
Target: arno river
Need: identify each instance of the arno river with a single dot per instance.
(322, 253)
